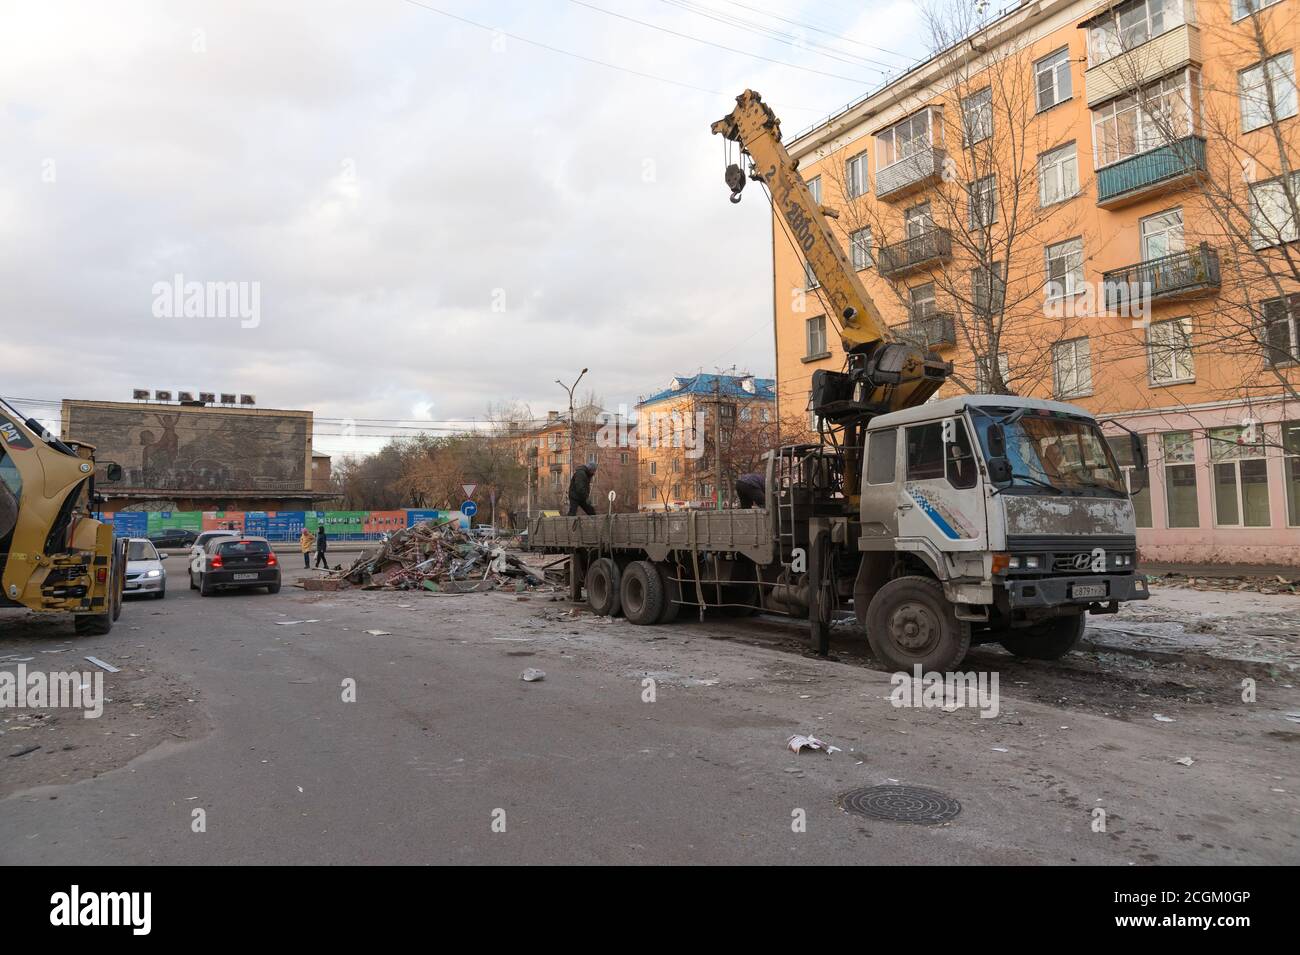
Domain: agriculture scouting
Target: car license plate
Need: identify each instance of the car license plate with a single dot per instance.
(1089, 590)
(245, 576)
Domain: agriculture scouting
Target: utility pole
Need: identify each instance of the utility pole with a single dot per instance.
(572, 425)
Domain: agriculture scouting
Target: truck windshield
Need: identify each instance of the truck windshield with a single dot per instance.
(1056, 454)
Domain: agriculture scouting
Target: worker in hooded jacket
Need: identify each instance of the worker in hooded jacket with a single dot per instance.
(580, 489)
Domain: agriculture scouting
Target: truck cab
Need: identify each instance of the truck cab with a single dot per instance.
(1008, 516)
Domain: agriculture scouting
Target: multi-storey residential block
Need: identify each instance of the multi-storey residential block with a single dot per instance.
(1093, 202)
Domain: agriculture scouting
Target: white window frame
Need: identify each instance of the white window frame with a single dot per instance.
(1175, 349)
(994, 288)
(1150, 227)
(977, 116)
(1057, 63)
(1291, 305)
(1079, 352)
(815, 187)
(1244, 8)
(1106, 38)
(1071, 251)
(982, 198)
(1253, 91)
(856, 180)
(1168, 463)
(860, 249)
(890, 150)
(809, 278)
(1061, 165)
(1111, 120)
(815, 333)
(1279, 232)
(1235, 460)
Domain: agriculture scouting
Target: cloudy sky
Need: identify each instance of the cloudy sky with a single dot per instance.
(437, 215)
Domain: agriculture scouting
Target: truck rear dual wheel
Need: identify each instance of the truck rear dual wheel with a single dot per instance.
(603, 583)
(671, 590)
(1046, 641)
(641, 593)
(911, 623)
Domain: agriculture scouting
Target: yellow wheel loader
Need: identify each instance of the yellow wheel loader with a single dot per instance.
(55, 557)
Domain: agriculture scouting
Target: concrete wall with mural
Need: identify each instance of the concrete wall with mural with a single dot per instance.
(279, 525)
(180, 448)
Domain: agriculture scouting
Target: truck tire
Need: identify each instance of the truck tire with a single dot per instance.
(1046, 641)
(910, 622)
(641, 593)
(93, 624)
(672, 593)
(603, 588)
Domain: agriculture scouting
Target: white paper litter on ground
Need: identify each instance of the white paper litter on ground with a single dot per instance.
(798, 743)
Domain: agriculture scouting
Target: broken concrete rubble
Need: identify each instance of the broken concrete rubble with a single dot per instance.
(437, 557)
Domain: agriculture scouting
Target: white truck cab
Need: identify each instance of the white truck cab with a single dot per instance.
(990, 518)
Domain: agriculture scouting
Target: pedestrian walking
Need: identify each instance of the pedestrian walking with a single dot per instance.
(321, 544)
(306, 542)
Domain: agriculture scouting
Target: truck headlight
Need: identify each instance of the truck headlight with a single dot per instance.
(1014, 563)
(1031, 563)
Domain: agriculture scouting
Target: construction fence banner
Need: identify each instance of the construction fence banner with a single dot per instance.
(280, 525)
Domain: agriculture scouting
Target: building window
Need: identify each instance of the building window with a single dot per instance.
(1122, 448)
(977, 116)
(654, 467)
(1272, 220)
(1244, 8)
(1131, 125)
(918, 220)
(1278, 333)
(855, 175)
(591, 457)
(1240, 479)
(677, 465)
(1180, 479)
(860, 242)
(816, 331)
(982, 203)
(677, 492)
(809, 279)
(1072, 368)
(1291, 470)
(988, 288)
(1064, 268)
(624, 457)
(1162, 234)
(1052, 79)
(1256, 91)
(815, 187)
(904, 140)
(763, 415)
(1131, 24)
(555, 479)
(1058, 175)
(1169, 350)
(922, 301)
(982, 377)
(746, 414)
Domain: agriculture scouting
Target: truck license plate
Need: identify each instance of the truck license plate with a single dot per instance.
(254, 577)
(1089, 590)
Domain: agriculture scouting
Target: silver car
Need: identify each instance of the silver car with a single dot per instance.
(144, 569)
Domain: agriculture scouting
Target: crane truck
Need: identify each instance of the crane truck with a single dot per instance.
(55, 556)
(942, 523)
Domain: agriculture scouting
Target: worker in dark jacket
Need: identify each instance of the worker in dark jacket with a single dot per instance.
(751, 489)
(321, 544)
(580, 489)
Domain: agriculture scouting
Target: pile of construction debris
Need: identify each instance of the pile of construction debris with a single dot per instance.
(439, 557)
(1264, 584)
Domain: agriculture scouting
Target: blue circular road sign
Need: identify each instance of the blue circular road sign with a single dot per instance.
(469, 508)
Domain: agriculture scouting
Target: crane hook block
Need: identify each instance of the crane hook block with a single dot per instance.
(735, 179)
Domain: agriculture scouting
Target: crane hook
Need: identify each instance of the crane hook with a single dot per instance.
(735, 180)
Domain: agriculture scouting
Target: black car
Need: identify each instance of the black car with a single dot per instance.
(234, 563)
(172, 537)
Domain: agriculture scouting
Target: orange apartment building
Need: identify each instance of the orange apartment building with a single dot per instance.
(1090, 201)
(682, 427)
(544, 452)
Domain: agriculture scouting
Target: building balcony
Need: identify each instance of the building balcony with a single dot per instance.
(1190, 274)
(1157, 170)
(911, 255)
(910, 175)
(934, 330)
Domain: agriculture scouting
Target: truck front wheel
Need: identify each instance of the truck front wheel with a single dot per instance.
(1046, 641)
(911, 623)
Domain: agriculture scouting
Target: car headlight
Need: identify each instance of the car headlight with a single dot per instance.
(154, 573)
(1031, 563)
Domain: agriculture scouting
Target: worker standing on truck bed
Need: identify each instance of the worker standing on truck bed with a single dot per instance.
(751, 489)
(580, 489)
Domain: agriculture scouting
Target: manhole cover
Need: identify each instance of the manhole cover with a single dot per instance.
(901, 804)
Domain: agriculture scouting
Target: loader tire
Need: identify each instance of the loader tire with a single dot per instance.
(911, 623)
(641, 593)
(1046, 641)
(671, 592)
(93, 625)
(603, 588)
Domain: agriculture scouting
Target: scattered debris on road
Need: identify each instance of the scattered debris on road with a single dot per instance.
(532, 675)
(1163, 719)
(798, 743)
(1185, 761)
(107, 667)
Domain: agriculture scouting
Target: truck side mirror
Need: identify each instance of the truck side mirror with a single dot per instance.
(996, 439)
(1139, 451)
(999, 469)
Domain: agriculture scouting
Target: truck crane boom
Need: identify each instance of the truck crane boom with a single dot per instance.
(881, 375)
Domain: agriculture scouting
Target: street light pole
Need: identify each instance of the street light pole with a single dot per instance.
(572, 427)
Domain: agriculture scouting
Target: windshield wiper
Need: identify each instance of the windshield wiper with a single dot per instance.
(1031, 478)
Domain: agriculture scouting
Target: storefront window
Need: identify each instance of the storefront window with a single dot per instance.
(1180, 479)
(1240, 478)
(1291, 470)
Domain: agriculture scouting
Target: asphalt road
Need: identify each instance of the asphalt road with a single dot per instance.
(444, 743)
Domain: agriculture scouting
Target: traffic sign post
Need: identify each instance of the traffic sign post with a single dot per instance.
(469, 508)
